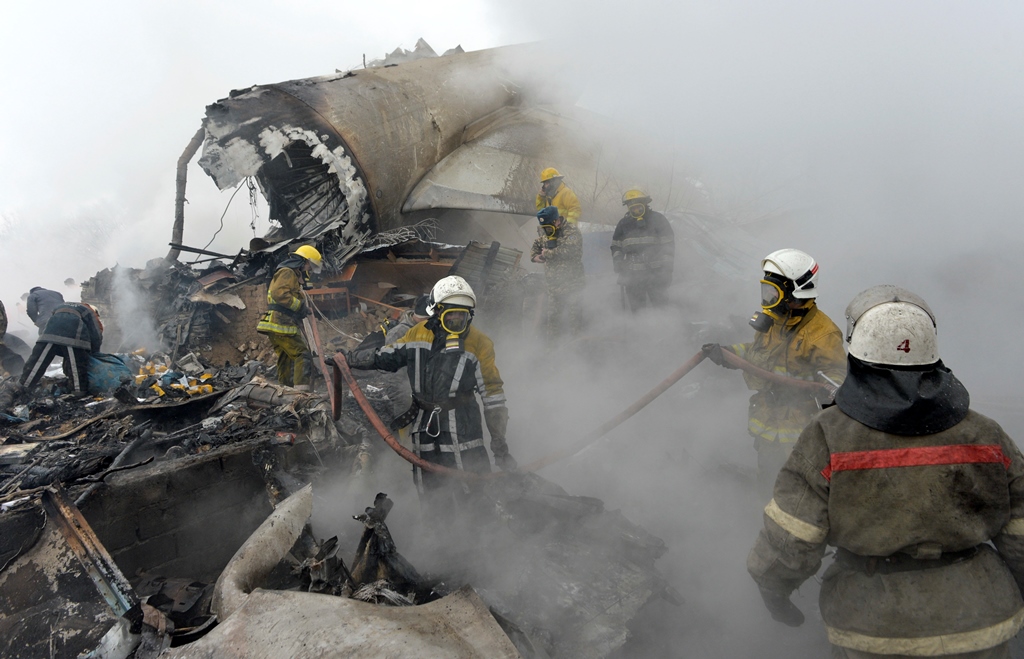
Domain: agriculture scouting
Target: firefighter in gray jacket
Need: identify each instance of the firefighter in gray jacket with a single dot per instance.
(910, 486)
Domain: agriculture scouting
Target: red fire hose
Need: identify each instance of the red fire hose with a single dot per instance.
(341, 370)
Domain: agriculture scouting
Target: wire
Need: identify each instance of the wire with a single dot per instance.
(221, 220)
(327, 321)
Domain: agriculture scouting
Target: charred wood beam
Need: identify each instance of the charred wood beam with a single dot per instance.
(178, 231)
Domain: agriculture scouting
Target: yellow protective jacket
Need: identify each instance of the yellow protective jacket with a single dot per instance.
(284, 302)
(911, 518)
(798, 348)
(566, 201)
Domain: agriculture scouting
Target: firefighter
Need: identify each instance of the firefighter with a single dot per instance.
(286, 307)
(643, 252)
(409, 319)
(910, 486)
(40, 305)
(449, 362)
(793, 337)
(73, 332)
(560, 248)
(554, 192)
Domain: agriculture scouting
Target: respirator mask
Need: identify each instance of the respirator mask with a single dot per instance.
(549, 232)
(454, 320)
(637, 211)
(776, 292)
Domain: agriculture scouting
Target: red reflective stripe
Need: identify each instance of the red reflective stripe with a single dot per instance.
(916, 457)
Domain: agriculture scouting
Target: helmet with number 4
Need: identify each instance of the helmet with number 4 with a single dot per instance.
(892, 326)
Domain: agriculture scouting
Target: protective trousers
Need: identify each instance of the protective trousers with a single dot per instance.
(771, 456)
(294, 359)
(567, 305)
(638, 293)
(76, 365)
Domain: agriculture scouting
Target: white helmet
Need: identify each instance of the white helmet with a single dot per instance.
(796, 266)
(890, 325)
(452, 289)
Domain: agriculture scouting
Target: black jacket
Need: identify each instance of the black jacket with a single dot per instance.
(74, 325)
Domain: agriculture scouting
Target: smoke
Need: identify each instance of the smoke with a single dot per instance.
(132, 316)
(884, 140)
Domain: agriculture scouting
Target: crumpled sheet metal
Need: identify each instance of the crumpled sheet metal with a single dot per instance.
(49, 605)
(264, 549)
(258, 623)
(274, 624)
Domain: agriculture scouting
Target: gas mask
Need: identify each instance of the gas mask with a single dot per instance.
(549, 232)
(637, 211)
(776, 293)
(549, 187)
(455, 323)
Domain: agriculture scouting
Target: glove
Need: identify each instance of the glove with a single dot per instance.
(617, 261)
(714, 353)
(497, 421)
(506, 462)
(360, 359)
(781, 608)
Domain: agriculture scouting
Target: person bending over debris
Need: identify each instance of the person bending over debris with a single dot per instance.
(560, 249)
(643, 252)
(73, 332)
(40, 305)
(286, 307)
(792, 337)
(910, 486)
(449, 361)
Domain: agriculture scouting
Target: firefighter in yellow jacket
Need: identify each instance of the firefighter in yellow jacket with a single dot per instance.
(910, 486)
(793, 337)
(554, 192)
(286, 307)
(450, 363)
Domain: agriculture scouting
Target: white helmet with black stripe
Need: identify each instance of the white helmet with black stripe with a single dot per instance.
(797, 267)
(452, 289)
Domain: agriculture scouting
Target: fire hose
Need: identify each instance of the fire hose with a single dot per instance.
(341, 370)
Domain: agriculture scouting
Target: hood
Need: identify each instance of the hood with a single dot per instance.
(903, 401)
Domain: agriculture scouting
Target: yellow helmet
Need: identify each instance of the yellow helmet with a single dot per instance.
(635, 196)
(312, 255)
(549, 174)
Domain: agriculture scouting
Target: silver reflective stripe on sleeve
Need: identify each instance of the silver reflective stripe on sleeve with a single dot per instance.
(416, 387)
(1014, 527)
(795, 526)
(930, 646)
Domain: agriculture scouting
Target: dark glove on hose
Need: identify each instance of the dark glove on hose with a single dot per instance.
(714, 353)
(506, 462)
(781, 608)
(497, 421)
(362, 359)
